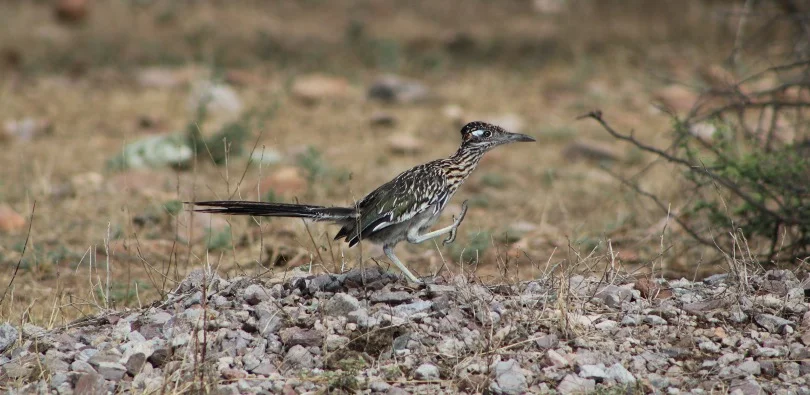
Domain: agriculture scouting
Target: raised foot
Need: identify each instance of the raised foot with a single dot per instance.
(456, 222)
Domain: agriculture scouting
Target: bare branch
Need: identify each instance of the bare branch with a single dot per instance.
(693, 167)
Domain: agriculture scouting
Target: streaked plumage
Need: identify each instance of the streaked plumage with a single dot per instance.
(400, 209)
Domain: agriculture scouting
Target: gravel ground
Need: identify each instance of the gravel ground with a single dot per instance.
(332, 334)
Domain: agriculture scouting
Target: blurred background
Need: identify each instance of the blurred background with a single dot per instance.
(115, 112)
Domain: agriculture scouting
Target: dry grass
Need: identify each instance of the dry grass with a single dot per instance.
(547, 69)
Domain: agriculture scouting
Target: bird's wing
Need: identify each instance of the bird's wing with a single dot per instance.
(399, 200)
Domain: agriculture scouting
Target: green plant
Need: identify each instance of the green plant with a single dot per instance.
(312, 162)
(478, 243)
(479, 200)
(737, 179)
(221, 239)
(493, 180)
(173, 207)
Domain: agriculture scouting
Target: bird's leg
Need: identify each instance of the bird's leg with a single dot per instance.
(389, 252)
(414, 237)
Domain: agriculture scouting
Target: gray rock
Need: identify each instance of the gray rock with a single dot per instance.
(397, 391)
(298, 336)
(737, 315)
(596, 372)
(395, 89)
(18, 369)
(799, 352)
(715, 279)
(434, 289)
(547, 341)
(407, 310)
(781, 275)
(606, 325)
(556, 359)
(613, 296)
(136, 336)
(632, 320)
(768, 368)
(86, 354)
(265, 368)
(579, 285)
(82, 366)
(658, 381)
(791, 369)
(572, 384)
(143, 347)
(32, 331)
(151, 331)
(451, 347)
(270, 321)
(509, 378)
(620, 374)
(804, 368)
(90, 384)
(159, 317)
(746, 387)
(299, 357)
(323, 283)
(767, 352)
(654, 320)
(654, 361)
(112, 371)
(250, 362)
(59, 379)
(427, 372)
(255, 294)
(370, 275)
(750, 367)
(221, 302)
(709, 346)
(772, 323)
(193, 299)
(160, 356)
(703, 306)
(56, 361)
(379, 386)
(728, 358)
(341, 304)
(391, 297)
(334, 342)
(219, 100)
(135, 363)
(362, 319)
(8, 336)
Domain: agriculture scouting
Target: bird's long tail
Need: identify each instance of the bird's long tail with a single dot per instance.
(262, 209)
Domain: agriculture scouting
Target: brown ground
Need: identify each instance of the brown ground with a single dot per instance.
(488, 58)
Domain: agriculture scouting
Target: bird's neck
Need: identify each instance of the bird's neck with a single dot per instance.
(464, 161)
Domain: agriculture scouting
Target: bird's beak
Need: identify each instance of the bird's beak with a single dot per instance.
(517, 138)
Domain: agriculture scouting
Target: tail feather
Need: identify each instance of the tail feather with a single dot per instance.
(262, 209)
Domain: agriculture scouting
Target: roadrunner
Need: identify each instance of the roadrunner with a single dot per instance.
(401, 209)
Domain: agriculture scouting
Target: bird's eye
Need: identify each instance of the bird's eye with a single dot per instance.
(487, 133)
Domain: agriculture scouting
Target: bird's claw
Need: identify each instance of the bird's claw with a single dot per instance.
(451, 238)
(456, 222)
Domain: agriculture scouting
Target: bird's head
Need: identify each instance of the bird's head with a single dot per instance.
(485, 136)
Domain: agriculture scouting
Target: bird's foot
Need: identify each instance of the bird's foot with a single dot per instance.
(456, 222)
(451, 238)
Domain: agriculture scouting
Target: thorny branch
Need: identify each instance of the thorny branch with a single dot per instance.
(696, 168)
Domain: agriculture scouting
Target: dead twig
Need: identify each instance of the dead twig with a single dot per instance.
(22, 254)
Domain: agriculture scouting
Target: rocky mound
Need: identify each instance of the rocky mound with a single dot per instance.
(367, 332)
